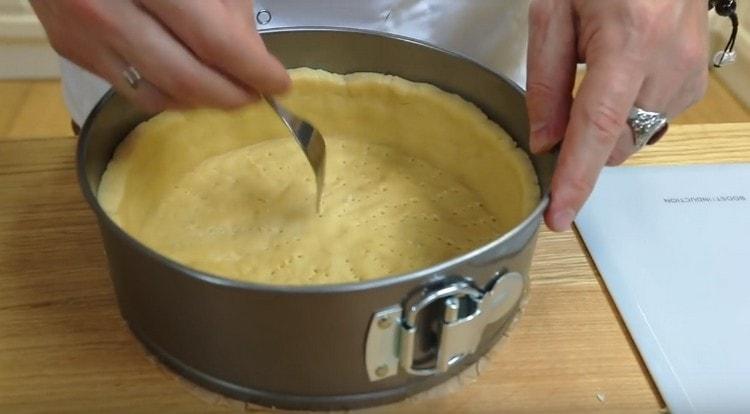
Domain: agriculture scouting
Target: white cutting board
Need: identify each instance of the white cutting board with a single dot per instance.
(673, 247)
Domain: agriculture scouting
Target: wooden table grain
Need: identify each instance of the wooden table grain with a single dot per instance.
(64, 348)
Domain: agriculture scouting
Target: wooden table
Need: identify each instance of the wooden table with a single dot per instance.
(64, 348)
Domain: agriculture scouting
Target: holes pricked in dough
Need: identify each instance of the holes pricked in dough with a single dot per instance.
(230, 193)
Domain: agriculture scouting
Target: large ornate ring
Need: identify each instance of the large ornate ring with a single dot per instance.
(648, 127)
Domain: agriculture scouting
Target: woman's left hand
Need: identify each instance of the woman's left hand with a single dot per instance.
(643, 53)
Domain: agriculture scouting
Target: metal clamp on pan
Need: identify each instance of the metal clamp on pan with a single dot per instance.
(466, 312)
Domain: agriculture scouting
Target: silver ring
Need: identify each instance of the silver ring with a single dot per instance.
(648, 127)
(132, 76)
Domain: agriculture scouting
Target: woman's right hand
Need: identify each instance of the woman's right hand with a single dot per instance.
(189, 53)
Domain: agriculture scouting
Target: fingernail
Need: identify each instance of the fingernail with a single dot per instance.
(534, 144)
(535, 137)
(538, 145)
(563, 220)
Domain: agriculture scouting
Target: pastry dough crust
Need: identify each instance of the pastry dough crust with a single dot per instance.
(415, 176)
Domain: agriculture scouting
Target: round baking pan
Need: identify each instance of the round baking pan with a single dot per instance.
(325, 346)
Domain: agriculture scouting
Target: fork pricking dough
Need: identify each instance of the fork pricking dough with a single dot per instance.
(414, 176)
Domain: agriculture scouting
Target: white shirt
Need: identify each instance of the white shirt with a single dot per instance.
(492, 32)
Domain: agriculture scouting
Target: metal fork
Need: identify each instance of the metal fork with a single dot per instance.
(309, 139)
